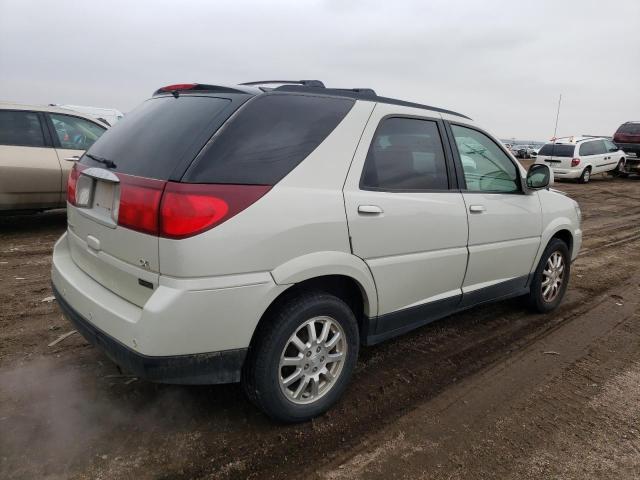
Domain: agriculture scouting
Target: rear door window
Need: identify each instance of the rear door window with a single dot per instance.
(406, 154)
(75, 133)
(20, 128)
(152, 140)
(594, 147)
(267, 139)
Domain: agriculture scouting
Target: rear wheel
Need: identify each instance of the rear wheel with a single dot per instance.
(585, 176)
(303, 358)
(551, 277)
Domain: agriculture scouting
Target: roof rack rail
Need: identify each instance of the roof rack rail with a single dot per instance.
(364, 91)
(306, 83)
(362, 94)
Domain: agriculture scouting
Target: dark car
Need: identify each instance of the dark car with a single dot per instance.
(627, 137)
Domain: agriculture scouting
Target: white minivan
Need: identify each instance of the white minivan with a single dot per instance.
(246, 233)
(581, 157)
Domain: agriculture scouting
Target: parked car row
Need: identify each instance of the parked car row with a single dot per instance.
(234, 233)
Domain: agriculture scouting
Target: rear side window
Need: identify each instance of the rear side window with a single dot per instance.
(406, 154)
(20, 128)
(630, 128)
(267, 139)
(556, 150)
(75, 133)
(152, 140)
(592, 148)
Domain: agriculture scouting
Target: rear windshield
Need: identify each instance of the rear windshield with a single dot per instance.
(632, 128)
(152, 140)
(267, 139)
(556, 150)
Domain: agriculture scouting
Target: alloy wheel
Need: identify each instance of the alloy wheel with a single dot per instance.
(312, 360)
(553, 277)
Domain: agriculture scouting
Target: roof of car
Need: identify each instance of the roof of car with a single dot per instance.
(315, 87)
(46, 108)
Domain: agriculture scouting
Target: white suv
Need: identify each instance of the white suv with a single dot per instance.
(581, 157)
(223, 234)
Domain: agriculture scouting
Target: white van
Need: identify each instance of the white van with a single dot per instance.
(581, 157)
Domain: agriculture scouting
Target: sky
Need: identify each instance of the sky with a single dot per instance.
(503, 63)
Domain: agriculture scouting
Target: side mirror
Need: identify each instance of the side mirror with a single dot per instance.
(538, 176)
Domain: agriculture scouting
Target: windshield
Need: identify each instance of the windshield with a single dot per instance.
(557, 150)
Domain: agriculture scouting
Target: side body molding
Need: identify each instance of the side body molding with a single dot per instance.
(319, 264)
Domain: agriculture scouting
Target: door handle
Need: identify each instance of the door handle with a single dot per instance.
(477, 208)
(75, 158)
(369, 209)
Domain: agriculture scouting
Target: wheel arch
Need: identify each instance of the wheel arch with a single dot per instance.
(561, 229)
(337, 273)
(566, 236)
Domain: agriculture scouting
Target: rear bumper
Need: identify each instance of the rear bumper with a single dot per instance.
(560, 173)
(188, 331)
(201, 368)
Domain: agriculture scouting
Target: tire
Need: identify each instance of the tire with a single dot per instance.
(263, 373)
(537, 299)
(619, 170)
(585, 176)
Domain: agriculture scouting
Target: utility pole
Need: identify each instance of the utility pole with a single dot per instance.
(555, 130)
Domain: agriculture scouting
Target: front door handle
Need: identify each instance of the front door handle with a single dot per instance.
(369, 209)
(477, 208)
(75, 158)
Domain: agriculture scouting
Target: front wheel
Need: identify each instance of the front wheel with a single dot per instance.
(303, 358)
(551, 277)
(619, 170)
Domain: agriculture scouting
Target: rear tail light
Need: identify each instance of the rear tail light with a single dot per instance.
(180, 210)
(189, 209)
(72, 182)
(139, 203)
(178, 87)
(575, 162)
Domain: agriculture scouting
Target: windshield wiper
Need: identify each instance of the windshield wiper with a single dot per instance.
(105, 161)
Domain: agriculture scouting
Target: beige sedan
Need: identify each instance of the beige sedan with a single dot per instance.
(37, 149)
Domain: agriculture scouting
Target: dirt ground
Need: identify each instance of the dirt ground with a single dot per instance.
(495, 392)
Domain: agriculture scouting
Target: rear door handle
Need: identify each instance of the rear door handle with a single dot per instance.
(477, 208)
(369, 209)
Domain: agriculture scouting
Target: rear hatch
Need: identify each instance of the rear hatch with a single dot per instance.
(115, 189)
(557, 155)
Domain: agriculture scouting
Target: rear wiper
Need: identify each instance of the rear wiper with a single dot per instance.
(105, 161)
